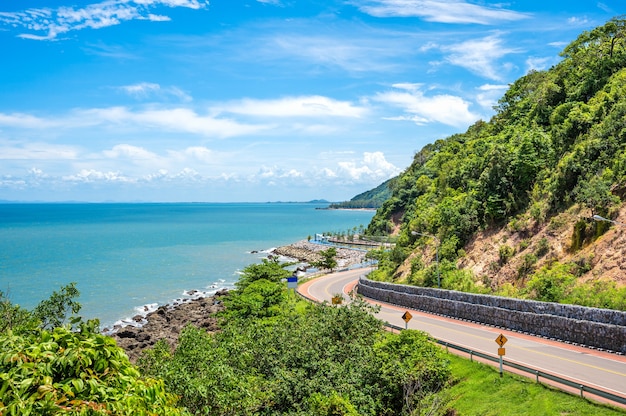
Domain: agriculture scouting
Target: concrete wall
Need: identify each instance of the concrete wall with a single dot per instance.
(594, 327)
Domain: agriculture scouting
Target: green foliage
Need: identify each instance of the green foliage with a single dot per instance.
(53, 312)
(551, 283)
(48, 314)
(14, 317)
(527, 266)
(557, 282)
(74, 373)
(558, 138)
(259, 299)
(505, 252)
(461, 280)
(270, 270)
(597, 294)
(370, 199)
(329, 259)
(543, 247)
(412, 369)
(333, 405)
(595, 193)
(294, 357)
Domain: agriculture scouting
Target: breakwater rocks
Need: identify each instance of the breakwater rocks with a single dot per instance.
(167, 322)
(308, 252)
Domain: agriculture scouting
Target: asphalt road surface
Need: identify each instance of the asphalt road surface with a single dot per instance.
(590, 367)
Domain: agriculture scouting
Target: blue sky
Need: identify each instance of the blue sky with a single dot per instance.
(244, 100)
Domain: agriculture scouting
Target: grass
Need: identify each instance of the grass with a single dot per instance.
(479, 390)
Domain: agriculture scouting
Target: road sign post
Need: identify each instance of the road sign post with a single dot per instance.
(292, 282)
(407, 317)
(501, 340)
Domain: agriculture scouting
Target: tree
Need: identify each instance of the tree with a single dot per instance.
(48, 314)
(329, 260)
(261, 299)
(14, 317)
(269, 269)
(415, 369)
(53, 312)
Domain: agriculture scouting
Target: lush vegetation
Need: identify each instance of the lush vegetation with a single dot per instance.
(558, 140)
(278, 355)
(373, 198)
(275, 354)
(48, 368)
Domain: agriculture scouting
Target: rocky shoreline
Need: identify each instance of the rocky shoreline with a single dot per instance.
(308, 252)
(168, 321)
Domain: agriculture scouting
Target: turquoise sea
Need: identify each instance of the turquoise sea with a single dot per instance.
(131, 258)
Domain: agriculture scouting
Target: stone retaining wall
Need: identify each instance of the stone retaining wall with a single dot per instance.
(594, 327)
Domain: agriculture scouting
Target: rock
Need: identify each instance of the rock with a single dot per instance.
(308, 252)
(167, 322)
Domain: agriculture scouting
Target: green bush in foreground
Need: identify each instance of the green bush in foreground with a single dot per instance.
(48, 367)
(74, 373)
(278, 356)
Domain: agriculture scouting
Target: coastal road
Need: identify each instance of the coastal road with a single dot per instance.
(586, 366)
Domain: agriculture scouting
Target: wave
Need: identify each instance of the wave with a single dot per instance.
(186, 296)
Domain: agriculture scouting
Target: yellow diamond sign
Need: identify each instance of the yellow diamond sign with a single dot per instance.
(407, 316)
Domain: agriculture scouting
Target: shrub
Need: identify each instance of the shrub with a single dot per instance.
(66, 372)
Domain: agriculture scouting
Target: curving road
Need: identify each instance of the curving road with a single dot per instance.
(594, 368)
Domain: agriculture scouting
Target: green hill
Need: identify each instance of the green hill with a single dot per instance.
(511, 200)
(373, 198)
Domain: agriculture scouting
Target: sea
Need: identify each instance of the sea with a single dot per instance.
(129, 258)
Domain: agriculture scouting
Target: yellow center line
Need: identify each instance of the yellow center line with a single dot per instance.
(530, 350)
(533, 350)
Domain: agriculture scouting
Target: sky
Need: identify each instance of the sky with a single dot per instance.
(254, 100)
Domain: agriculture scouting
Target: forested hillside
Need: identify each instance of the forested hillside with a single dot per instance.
(373, 198)
(509, 204)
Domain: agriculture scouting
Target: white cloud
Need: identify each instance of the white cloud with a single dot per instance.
(92, 176)
(276, 172)
(54, 22)
(200, 153)
(369, 171)
(539, 64)
(308, 106)
(439, 11)
(158, 18)
(422, 109)
(488, 95)
(127, 151)
(37, 151)
(173, 119)
(479, 56)
(577, 21)
(21, 120)
(373, 168)
(147, 89)
(142, 89)
(352, 53)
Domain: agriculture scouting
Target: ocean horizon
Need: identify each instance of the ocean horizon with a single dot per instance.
(129, 258)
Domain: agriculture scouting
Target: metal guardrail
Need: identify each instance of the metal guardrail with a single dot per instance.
(537, 373)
